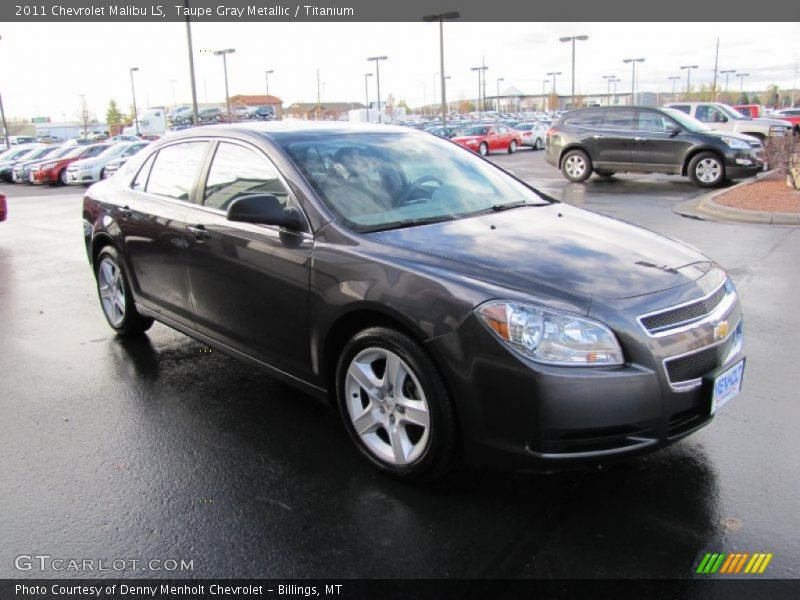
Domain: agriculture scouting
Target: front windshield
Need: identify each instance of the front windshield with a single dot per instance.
(477, 131)
(113, 151)
(686, 121)
(392, 179)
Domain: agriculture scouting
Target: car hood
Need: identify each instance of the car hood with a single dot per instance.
(732, 134)
(553, 248)
(466, 138)
(768, 121)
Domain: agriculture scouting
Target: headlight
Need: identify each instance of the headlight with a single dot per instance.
(551, 337)
(778, 130)
(736, 144)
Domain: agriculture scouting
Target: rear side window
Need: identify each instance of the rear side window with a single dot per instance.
(175, 170)
(140, 181)
(237, 172)
(588, 119)
(653, 121)
(619, 120)
(709, 114)
(92, 152)
(746, 111)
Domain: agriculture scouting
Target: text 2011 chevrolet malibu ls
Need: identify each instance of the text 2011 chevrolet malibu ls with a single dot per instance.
(447, 308)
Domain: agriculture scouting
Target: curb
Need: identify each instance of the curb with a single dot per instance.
(705, 209)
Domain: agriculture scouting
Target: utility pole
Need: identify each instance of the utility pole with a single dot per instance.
(499, 79)
(377, 60)
(688, 69)
(224, 55)
(727, 72)
(716, 65)
(441, 18)
(133, 94)
(191, 62)
(366, 92)
(674, 79)
(608, 79)
(544, 95)
(555, 74)
(633, 62)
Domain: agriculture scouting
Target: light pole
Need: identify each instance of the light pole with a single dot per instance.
(191, 62)
(741, 77)
(554, 74)
(266, 76)
(608, 79)
(727, 73)
(499, 79)
(572, 38)
(366, 92)
(377, 60)
(441, 18)
(478, 97)
(544, 95)
(674, 79)
(224, 55)
(133, 93)
(449, 108)
(633, 62)
(688, 69)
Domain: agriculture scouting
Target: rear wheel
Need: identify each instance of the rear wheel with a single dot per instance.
(395, 405)
(576, 166)
(512, 147)
(483, 149)
(706, 170)
(115, 296)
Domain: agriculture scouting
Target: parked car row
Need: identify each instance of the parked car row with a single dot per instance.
(71, 163)
(184, 115)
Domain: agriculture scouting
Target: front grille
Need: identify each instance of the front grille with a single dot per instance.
(683, 314)
(694, 366)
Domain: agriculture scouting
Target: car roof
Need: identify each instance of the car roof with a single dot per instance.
(287, 127)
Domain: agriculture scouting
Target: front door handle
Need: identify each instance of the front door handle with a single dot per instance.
(126, 211)
(199, 232)
(638, 139)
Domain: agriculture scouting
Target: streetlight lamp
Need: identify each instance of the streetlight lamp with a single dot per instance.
(133, 93)
(741, 77)
(554, 74)
(441, 18)
(366, 92)
(377, 60)
(224, 55)
(727, 73)
(499, 79)
(633, 62)
(572, 38)
(688, 69)
(608, 79)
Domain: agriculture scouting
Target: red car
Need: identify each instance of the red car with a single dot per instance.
(54, 171)
(789, 114)
(3, 207)
(484, 139)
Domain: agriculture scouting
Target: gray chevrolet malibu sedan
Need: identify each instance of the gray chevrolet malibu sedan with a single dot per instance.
(447, 310)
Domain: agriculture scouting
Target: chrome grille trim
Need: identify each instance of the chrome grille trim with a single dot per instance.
(735, 338)
(723, 298)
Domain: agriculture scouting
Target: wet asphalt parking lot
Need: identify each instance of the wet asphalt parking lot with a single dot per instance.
(160, 449)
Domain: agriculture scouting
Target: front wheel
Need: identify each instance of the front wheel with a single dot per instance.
(62, 177)
(707, 170)
(483, 149)
(537, 145)
(395, 405)
(576, 166)
(512, 147)
(115, 295)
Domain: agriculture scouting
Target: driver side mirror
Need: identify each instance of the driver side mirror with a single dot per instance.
(673, 130)
(264, 209)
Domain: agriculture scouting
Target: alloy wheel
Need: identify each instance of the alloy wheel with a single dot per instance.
(575, 166)
(708, 170)
(387, 406)
(112, 291)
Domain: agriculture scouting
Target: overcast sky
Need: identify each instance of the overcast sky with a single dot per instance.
(45, 66)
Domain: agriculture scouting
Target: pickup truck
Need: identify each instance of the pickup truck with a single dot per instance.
(722, 117)
(754, 111)
(790, 114)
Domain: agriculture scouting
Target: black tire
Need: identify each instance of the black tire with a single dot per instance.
(570, 166)
(62, 177)
(131, 323)
(706, 170)
(537, 145)
(604, 173)
(483, 149)
(512, 147)
(440, 451)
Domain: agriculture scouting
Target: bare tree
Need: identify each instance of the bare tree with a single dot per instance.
(783, 154)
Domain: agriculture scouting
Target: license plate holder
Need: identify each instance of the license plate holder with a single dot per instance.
(725, 384)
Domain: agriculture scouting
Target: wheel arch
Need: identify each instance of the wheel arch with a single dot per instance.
(569, 148)
(694, 152)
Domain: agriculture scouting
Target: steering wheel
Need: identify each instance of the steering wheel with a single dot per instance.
(405, 197)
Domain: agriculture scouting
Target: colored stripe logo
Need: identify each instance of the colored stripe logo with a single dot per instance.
(734, 564)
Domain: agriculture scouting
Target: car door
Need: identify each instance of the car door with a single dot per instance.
(613, 141)
(493, 138)
(659, 143)
(152, 224)
(249, 283)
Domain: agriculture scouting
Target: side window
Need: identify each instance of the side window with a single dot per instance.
(652, 121)
(619, 120)
(236, 172)
(746, 111)
(709, 114)
(140, 181)
(588, 119)
(175, 169)
(684, 108)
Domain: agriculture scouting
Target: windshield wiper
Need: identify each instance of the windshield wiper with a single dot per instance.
(501, 207)
(405, 223)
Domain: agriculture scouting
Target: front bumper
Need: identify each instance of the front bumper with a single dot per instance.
(519, 413)
(83, 176)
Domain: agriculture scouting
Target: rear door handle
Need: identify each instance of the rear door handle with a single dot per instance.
(199, 232)
(638, 139)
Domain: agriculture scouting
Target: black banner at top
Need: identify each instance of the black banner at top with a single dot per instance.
(386, 11)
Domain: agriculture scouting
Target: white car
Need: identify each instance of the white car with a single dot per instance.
(124, 138)
(533, 134)
(90, 170)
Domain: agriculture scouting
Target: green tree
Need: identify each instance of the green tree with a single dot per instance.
(755, 100)
(743, 98)
(773, 96)
(113, 116)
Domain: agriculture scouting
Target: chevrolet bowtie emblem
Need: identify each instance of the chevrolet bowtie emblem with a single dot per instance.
(721, 330)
